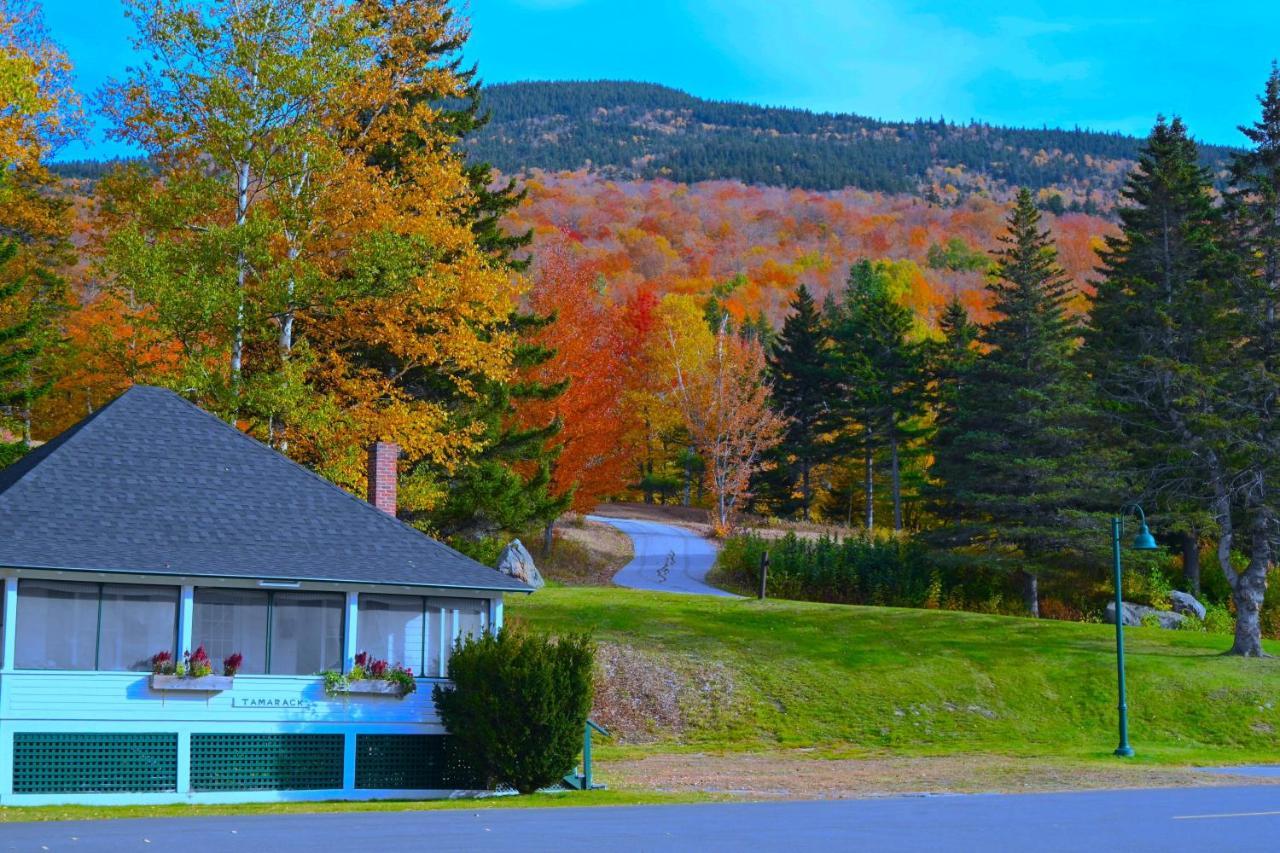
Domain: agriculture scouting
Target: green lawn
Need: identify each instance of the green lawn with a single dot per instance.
(866, 680)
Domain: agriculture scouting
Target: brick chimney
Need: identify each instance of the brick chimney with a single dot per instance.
(382, 475)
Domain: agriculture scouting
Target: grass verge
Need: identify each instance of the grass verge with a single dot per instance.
(548, 800)
(873, 682)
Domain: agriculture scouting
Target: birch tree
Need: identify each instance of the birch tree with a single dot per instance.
(724, 399)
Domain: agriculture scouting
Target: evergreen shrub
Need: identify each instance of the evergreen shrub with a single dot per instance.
(517, 705)
(891, 571)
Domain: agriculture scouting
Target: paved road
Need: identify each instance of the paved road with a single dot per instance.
(668, 559)
(1191, 819)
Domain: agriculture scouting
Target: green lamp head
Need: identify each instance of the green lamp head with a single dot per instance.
(1144, 541)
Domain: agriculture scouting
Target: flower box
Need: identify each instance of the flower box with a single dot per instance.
(375, 686)
(203, 684)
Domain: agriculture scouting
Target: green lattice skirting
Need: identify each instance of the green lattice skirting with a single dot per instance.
(265, 762)
(89, 763)
(411, 762)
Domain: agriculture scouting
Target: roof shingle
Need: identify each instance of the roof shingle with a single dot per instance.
(152, 484)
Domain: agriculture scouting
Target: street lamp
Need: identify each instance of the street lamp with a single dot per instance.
(1144, 541)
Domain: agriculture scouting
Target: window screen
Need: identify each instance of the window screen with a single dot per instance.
(57, 625)
(137, 622)
(391, 628)
(306, 632)
(230, 621)
(461, 618)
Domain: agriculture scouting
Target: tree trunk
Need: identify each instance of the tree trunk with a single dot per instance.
(869, 487)
(896, 484)
(548, 538)
(1191, 562)
(688, 475)
(1031, 593)
(1251, 587)
(806, 494)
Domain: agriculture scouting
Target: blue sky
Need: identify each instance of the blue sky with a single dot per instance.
(1103, 65)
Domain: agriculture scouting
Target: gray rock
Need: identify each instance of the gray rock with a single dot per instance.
(1186, 604)
(1135, 613)
(516, 561)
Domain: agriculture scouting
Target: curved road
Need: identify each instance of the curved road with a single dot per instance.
(668, 558)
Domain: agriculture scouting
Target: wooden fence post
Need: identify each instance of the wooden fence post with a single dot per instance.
(764, 573)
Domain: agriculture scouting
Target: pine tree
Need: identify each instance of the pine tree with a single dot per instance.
(951, 359)
(798, 364)
(950, 363)
(1253, 210)
(880, 369)
(28, 303)
(1017, 444)
(1161, 333)
(507, 484)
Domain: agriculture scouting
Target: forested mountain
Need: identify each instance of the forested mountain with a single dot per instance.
(642, 131)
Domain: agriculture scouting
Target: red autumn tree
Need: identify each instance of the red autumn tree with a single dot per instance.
(588, 342)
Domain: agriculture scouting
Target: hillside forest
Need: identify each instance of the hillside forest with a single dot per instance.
(961, 371)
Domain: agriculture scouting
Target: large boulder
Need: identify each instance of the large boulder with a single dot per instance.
(1186, 604)
(516, 561)
(1133, 614)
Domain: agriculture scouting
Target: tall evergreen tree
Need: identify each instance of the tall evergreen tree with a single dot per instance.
(1162, 331)
(950, 363)
(507, 484)
(1253, 209)
(800, 371)
(881, 375)
(28, 304)
(1017, 443)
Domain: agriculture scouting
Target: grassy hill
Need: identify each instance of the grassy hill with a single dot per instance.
(745, 675)
(634, 130)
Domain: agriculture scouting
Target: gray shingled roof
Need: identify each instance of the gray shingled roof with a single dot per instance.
(152, 484)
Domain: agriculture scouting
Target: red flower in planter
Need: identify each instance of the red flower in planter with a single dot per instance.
(377, 669)
(231, 664)
(198, 663)
(162, 663)
(362, 660)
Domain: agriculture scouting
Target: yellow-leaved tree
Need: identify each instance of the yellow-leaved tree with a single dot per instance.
(38, 112)
(316, 297)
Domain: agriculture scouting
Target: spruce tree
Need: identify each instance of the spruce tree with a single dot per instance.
(1253, 209)
(28, 302)
(1161, 335)
(950, 362)
(505, 486)
(880, 371)
(798, 364)
(1016, 442)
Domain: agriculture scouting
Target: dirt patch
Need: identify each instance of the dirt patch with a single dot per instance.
(585, 553)
(792, 775)
(641, 697)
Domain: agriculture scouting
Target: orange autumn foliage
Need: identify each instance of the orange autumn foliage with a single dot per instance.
(588, 340)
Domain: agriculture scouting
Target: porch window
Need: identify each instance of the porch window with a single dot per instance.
(460, 618)
(416, 631)
(86, 626)
(231, 621)
(57, 625)
(137, 621)
(306, 632)
(281, 633)
(392, 628)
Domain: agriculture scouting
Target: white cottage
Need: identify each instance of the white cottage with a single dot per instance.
(152, 526)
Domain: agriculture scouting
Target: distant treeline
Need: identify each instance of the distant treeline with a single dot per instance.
(642, 130)
(645, 131)
(89, 170)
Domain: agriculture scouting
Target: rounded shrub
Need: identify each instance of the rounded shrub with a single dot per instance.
(517, 705)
